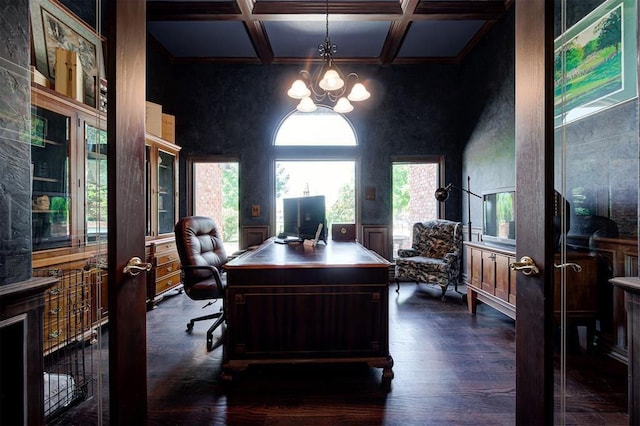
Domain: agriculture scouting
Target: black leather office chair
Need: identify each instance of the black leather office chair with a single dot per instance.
(202, 256)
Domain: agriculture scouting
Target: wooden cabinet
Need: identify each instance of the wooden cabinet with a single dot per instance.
(161, 162)
(68, 169)
(72, 308)
(69, 213)
(165, 271)
(489, 278)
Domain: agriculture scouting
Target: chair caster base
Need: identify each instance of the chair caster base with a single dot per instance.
(189, 327)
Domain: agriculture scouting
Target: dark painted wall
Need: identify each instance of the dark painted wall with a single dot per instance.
(234, 110)
(15, 149)
(489, 155)
(601, 150)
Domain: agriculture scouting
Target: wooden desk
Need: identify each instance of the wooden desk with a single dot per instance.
(297, 304)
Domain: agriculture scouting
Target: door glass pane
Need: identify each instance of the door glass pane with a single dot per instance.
(596, 201)
(215, 195)
(51, 201)
(414, 185)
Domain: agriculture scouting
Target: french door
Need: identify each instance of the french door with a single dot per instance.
(127, 293)
(575, 181)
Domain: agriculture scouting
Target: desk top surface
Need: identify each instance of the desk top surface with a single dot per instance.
(297, 255)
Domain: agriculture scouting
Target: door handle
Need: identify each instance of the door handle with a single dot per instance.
(135, 266)
(571, 265)
(526, 265)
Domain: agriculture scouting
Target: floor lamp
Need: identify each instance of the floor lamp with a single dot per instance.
(442, 194)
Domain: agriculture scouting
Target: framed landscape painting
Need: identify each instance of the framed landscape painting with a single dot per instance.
(53, 26)
(594, 64)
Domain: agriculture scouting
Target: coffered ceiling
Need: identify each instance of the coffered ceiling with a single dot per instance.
(289, 31)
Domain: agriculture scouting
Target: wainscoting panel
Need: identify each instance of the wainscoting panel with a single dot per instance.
(376, 238)
(253, 236)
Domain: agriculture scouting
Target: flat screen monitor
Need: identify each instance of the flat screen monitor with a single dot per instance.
(302, 216)
(499, 216)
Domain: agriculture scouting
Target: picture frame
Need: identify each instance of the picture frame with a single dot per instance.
(39, 130)
(53, 26)
(595, 62)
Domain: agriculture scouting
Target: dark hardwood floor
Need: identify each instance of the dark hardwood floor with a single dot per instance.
(450, 368)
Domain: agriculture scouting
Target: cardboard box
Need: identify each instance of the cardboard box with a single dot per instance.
(69, 79)
(38, 77)
(153, 119)
(169, 128)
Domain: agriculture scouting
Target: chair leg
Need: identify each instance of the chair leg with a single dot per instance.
(397, 286)
(215, 325)
(444, 291)
(204, 317)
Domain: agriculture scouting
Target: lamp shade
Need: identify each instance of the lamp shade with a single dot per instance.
(442, 194)
(306, 105)
(358, 93)
(331, 80)
(299, 90)
(343, 106)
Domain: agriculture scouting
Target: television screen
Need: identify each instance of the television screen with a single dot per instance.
(302, 215)
(499, 223)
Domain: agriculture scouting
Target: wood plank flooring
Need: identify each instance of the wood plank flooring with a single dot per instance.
(450, 368)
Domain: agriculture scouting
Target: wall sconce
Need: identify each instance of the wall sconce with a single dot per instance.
(442, 194)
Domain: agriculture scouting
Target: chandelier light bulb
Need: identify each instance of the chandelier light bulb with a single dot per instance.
(343, 106)
(299, 90)
(358, 93)
(306, 105)
(331, 81)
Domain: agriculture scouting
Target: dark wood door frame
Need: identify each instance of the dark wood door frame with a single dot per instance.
(126, 74)
(534, 183)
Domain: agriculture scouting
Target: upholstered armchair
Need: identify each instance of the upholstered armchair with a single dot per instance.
(434, 257)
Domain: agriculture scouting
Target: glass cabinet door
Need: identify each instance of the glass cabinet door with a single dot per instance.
(147, 190)
(95, 184)
(166, 192)
(50, 199)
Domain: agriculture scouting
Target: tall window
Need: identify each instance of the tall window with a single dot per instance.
(333, 179)
(330, 171)
(215, 194)
(413, 186)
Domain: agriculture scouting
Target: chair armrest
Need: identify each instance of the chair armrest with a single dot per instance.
(407, 252)
(214, 272)
(450, 257)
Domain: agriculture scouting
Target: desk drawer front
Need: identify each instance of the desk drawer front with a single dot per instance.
(289, 322)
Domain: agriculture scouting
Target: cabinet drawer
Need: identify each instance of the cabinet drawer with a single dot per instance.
(167, 257)
(55, 332)
(167, 282)
(167, 269)
(165, 246)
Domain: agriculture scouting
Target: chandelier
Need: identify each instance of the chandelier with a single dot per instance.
(327, 83)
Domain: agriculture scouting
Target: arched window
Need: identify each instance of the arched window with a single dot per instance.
(330, 171)
(323, 127)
